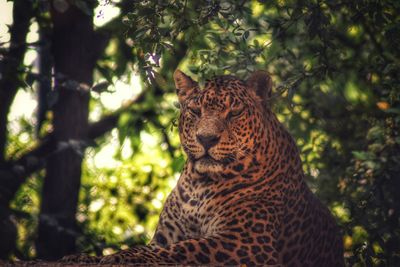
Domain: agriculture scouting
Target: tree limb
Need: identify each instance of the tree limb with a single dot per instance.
(16, 171)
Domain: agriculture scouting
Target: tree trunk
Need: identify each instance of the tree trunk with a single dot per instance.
(74, 60)
(10, 68)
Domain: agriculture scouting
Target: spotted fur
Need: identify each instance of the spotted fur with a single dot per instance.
(241, 198)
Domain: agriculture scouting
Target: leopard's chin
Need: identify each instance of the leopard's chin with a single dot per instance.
(208, 165)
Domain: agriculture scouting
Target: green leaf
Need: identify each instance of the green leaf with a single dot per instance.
(246, 34)
(101, 87)
(360, 155)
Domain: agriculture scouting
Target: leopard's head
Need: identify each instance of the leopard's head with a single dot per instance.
(222, 126)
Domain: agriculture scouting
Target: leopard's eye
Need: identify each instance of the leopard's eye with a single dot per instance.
(194, 108)
(195, 111)
(235, 112)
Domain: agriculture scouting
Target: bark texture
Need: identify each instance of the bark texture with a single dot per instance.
(74, 61)
(10, 67)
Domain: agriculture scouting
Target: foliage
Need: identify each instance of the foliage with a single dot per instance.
(335, 66)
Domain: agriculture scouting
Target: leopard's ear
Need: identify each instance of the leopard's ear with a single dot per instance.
(261, 83)
(184, 85)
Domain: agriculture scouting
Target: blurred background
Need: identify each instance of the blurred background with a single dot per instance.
(89, 148)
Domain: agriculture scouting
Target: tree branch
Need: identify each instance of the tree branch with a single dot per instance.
(16, 171)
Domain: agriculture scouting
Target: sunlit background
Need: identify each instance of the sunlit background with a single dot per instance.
(25, 103)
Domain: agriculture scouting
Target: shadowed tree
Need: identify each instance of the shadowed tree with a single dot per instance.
(74, 49)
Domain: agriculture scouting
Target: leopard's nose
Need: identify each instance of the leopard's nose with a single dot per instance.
(208, 141)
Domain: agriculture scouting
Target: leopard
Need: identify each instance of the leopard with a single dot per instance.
(242, 196)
